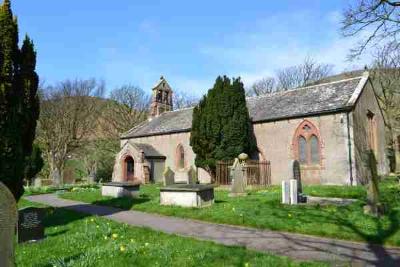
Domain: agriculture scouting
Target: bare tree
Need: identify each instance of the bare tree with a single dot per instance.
(301, 75)
(68, 117)
(379, 19)
(263, 86)
(127, 107)
(183, 100)
(385, 74)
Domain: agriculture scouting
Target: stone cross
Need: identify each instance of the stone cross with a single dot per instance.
(238, 187)
(285, 192)
(8, 219)
(169, 176)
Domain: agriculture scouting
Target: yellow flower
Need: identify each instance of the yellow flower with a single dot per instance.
(233, 209)
(289, 215)
(114, 236)
(122, 248)
(246, 264)
(97, 226)
(92, 220)
(146, 244)
(131, 240)
(105, 237)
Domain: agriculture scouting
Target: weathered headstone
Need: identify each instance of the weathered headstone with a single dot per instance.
(297, 175)
(293, 191)
(8, 219)
(285, 192)
(192, 176)
(169, 176)
(30, 224)
(238, 187)
(37, 182)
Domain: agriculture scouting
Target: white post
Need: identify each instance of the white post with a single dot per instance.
(285, 192)
(293, 191)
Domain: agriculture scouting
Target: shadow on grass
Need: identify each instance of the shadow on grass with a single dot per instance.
(124, 203)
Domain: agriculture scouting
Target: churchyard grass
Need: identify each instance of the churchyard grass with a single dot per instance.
(263, 209)
(75, 239)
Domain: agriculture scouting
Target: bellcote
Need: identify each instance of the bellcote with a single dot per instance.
(161, 98)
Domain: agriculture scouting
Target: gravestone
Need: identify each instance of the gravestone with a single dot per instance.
(8, 219)
(237, 174)
(37, 182)
(297, 175)
(30, 224)
(169, 176)
(293, 191)
(192, 176)
(285, 192)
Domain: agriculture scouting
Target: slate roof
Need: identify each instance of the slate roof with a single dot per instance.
(149, 150)
(312, 100)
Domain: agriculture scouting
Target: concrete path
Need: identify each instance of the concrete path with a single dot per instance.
(296, 246)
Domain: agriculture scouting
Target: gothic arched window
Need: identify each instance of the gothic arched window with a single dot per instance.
(180, 157)
(307, 144)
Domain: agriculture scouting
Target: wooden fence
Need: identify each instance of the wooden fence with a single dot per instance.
(257, 172)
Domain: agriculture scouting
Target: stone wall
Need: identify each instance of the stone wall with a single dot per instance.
(275, 141)
(367, 102)
(167, 145)
(276, 144)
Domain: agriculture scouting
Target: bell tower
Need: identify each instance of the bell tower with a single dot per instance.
(161, 98)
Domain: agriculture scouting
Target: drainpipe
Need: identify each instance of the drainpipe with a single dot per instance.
(349, 147)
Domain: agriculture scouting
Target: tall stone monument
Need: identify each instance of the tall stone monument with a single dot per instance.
(8, 220)
(238, 176)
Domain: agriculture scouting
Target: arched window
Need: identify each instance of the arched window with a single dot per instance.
(129, 168)
(307, 144)
(302, 150)
(314, 149)
(180, 157)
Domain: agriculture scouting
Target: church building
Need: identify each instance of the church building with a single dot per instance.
(326, 127)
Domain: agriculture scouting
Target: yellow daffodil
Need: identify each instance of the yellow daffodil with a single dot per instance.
(114, 236)
(122, 248)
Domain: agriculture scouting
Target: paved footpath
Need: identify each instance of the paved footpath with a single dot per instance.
(296, 246)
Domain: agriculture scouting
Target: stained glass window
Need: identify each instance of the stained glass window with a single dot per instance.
(314, 149)
(302, 150)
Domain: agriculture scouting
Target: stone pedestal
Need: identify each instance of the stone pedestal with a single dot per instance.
(285, 192)
(187, 195)
(121, 189)
(293, 191)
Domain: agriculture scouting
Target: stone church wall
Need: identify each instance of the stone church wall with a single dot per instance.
(367, 102)
(167, 145)
(274, 140)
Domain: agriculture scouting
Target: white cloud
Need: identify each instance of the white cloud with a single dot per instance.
(260, 52)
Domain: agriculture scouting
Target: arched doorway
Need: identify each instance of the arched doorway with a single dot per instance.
(129, 169)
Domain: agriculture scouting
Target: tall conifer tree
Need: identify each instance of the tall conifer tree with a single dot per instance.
(19, 105)
(221, 127)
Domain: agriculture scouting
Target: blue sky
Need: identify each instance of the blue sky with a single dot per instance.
(189, 42)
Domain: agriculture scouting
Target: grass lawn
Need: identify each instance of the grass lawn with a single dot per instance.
(74, 239)
(262, 209)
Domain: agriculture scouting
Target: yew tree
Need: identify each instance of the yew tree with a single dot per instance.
(19, 105)
(221, 126)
